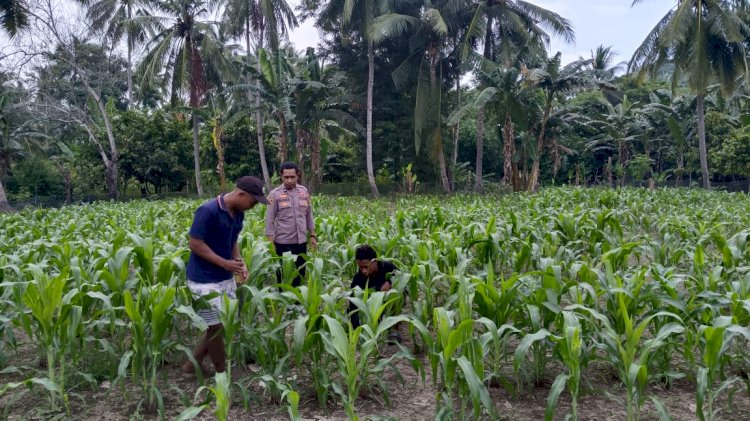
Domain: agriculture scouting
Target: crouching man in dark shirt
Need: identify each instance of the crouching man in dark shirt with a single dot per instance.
(373, 274)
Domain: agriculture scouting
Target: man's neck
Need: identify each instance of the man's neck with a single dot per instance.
(229, 203)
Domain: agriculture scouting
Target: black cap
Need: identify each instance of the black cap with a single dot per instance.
(252, 185)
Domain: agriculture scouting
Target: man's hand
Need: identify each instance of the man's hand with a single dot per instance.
(313, 243)
(386, 286)
(245, 272)
(234, 266)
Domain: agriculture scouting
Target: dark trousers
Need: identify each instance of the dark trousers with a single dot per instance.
(297, 249)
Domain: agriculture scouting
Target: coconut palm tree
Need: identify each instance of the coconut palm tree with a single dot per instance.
(360, 15)
(277, 82)
(13, 17)
(115, 17)
(182, 56)
(269, 22)
(506, 97)
(507, 29)
(431, 41)
(602, 63)
(317, 104)
(555, 80)
(705, 39)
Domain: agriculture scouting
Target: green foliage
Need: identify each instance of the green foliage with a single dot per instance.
(155, 150)
(731, 155)
(34, 177)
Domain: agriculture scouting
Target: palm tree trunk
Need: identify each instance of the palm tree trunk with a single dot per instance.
(509, 149)
(217, 134)
(534, 179)
(443, 166)
(67, 179)
(262, 144)
(283, 150)
(480, 151)
(258, 113)
(220, 169)
(456, 133)
(702, 141)
(315, 158)
(196, 155)
(370, 83)
(129, 41)
(301, 146)
(621, 159)
(478, 187)
(4, 205)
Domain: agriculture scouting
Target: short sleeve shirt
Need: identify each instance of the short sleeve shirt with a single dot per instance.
(220, 231)
(385, 271)
(289, 215)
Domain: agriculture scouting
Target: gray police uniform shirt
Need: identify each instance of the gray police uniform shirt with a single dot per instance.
(289, 215)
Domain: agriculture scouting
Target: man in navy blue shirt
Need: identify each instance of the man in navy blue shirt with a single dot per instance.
(215, 258)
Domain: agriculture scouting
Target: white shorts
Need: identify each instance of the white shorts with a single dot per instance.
(228, 288)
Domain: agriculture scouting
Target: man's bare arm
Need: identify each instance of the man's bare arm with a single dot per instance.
(200, 248)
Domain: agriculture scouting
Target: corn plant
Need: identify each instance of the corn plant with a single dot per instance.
(264, 321)
(627, 352)
(343, 348)
(569, 347)
(221, 392)
(150, 319)
(258, 258)
(450, 338)
(717, 340)
(373, 309)
(231, 325)
(307, 343)
(56, 324)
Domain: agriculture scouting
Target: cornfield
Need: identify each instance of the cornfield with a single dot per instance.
(496, 295)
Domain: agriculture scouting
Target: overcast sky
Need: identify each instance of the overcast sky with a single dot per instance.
(606, 22)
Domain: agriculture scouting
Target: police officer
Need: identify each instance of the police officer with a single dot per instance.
(289, 218)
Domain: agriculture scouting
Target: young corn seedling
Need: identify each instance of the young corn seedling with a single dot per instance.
(231, 324)
(343, 348)
(444, 361)
(222, 394)
(260, 263)
(373, 309)
(150, 322)
(717, 340)
(569, 347)
(55, 323)
(307, 343)
(627, 352)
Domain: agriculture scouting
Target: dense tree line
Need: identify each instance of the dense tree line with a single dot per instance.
(182, 95)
